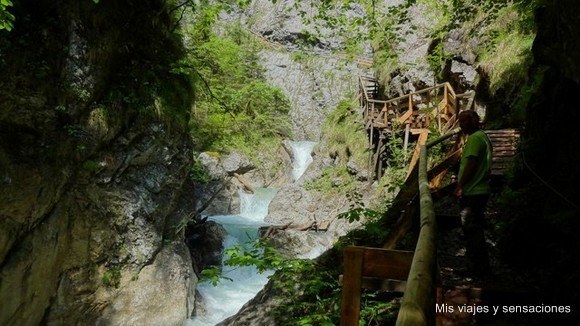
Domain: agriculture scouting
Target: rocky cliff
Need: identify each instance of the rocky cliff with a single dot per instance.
(93, 157)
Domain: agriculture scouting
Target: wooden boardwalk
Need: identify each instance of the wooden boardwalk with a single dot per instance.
(413, 117)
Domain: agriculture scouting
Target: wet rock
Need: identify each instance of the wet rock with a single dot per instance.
(290, 206)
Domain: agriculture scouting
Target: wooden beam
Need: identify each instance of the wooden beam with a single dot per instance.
(421, 141)
(351, 287)
(386, 263)
(405, 116)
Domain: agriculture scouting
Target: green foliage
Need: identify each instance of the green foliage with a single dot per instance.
(527, 92)
(357, 209)
(213, 275)
(345, 134)
(235, 107)
(112, 277)
(507, 55)
(198, 173)
(345, 140)
(6, 18)
(506, 31)
(334, 180)
(309, 292)
(259, 253)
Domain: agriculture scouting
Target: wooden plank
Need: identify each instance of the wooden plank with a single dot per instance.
(452, 121)
(507, 136)
(503, 147)
(379, 284)
(504, 152)
(385, 263)
(501, 131)
(417, 131)
(449, 160)
(405, 116)
(351, 287)
(500, 159)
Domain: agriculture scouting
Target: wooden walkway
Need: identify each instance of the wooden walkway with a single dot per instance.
(412, 117)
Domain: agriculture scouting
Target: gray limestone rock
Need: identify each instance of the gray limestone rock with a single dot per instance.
(161, 293)
(235, 162)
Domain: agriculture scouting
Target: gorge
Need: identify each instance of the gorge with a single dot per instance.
(133, 132)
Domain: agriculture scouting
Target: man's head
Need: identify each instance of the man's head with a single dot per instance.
(469, 121)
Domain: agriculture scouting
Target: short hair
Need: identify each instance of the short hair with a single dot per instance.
(470, 115)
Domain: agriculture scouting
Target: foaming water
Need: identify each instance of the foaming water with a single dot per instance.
(225, 299)
(302, 157)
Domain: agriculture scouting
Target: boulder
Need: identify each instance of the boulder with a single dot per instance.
(235, 162)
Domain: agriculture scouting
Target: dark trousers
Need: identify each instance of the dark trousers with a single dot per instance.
(472, 220)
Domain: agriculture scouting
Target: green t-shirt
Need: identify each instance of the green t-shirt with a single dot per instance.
(478, 146)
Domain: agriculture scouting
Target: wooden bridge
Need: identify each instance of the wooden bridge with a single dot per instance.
(412, 116)
(413, 272)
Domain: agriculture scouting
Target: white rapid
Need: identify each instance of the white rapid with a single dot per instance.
(225, 299)
(302, 157)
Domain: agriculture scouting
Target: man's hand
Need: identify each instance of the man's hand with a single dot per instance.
(458, 191)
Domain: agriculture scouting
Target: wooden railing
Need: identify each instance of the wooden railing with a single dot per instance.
(418, 301)
(416, 114)
(418, 267)
(414, 109)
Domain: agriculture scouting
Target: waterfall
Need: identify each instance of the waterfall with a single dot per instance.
(225, 299)
(302, 157)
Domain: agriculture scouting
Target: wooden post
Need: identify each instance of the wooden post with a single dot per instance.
(371, 154)
(379, 161)
(351, 286)
(373, 264)
(406, 141)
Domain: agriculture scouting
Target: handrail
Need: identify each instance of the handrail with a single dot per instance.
(417, 303)
(401, 109)
(443, 138)
(416, 307)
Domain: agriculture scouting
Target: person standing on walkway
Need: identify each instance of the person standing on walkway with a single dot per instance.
(473, 190)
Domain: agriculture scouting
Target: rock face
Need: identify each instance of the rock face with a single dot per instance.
(89, 176)
(302, 61)
(144, 301)
(314, 83)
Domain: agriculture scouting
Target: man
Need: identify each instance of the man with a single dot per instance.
(473, 190)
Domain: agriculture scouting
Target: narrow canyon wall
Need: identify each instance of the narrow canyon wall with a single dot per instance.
(92, 163)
